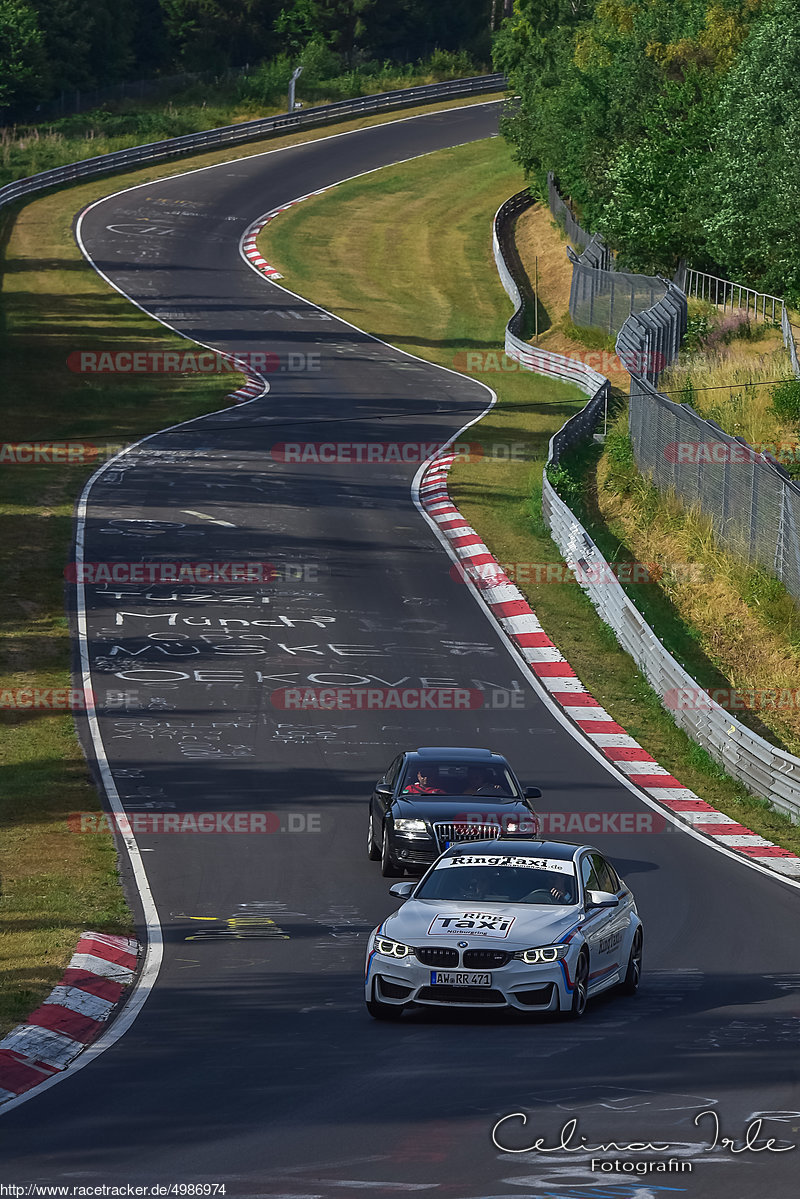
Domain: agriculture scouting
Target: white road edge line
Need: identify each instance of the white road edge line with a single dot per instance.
(154, 948)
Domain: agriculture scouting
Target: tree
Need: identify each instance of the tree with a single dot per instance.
(753, 223)
(297, 23)
(656, 184)
(87, 43)
(21, 58)
(407, 30)
(209, 35)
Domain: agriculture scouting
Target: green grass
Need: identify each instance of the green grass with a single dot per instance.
(405, 253)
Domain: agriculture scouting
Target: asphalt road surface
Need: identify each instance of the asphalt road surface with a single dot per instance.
(254, 1063)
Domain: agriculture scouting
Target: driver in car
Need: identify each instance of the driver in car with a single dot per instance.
(560, 893)
(425, 784)
(479, 782)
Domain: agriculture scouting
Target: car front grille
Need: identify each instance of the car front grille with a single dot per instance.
(461, 995)
(485, 959)
(437, 956)
(465, 831)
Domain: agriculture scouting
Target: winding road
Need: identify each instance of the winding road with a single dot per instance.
(253, 1062)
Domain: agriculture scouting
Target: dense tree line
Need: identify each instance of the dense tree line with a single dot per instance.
(47, 46)
(673, 124)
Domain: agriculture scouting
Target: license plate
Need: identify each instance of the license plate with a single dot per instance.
(460, 978)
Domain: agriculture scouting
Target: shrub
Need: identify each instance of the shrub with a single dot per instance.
(452, 64)
(735, 323)
(566, 485)
(786, 400)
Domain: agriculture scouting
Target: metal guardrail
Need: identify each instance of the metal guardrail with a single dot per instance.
(531, 357)
(725, 295)
(763, 769)
(248, 131)
(789, 342)
(721, 292)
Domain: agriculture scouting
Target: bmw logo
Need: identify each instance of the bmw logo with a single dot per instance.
(463, 944)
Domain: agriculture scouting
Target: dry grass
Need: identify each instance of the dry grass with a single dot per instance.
(731, 386)
(730, 606)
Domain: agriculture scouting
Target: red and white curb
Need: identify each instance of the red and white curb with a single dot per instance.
(250, 239)
(255, 386)
(73, 1015)
(518, 621)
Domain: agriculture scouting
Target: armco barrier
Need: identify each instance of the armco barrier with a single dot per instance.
(764, 770)
(596, 386)
(248, 131)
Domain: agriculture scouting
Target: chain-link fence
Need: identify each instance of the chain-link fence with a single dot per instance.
(604, 299)
(601, 297)
(565, 217)
(752, 502)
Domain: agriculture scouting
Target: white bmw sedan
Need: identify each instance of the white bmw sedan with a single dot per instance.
(539, 926)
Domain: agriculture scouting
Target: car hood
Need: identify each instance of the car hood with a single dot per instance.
(451, 807)
(494, 925)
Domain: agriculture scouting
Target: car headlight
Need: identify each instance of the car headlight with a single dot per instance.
(414, 827)
(390, 948)
(545, 953)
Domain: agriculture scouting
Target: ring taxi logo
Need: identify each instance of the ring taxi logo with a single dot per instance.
(477, 924)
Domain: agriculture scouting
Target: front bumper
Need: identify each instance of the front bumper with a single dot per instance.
(403, 981)
(414, 851)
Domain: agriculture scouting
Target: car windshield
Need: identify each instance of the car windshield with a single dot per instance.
(501, 880)
(458, 778)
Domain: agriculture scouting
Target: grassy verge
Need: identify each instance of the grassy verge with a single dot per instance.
(730, 373)
(28, 148)
(422, 229)
(54, 884)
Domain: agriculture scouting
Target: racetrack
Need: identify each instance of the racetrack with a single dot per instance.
(253, 1062)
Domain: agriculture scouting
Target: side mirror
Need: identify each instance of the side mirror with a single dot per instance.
(384, 790)
(601, 899)
(402, 890)
(533, 793)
